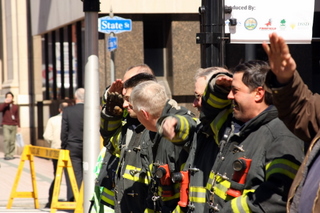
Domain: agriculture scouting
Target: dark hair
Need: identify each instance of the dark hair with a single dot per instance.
(254, 75)
(137, 79)
(63, 105)
(9, 93)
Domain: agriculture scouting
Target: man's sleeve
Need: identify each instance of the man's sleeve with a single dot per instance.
(298, 107)
(109, 125)
(64, 129)
(47, 135)
(214, 100)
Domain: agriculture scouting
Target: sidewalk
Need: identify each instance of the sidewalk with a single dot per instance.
(44, 176)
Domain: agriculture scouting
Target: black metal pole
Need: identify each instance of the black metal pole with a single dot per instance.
(212, 37)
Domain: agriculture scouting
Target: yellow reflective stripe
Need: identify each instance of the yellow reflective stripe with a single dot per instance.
(282, 166)
(221, 187)
(136, 174)
(246, 191)
(107, 196)
(197, 194)
(240, 205)
(148, 210)
(115, 141)
(216, 102)
(210, 181)
(113, 125)
(102, 122)
(177, 210)
(183, 132)
(217, 123)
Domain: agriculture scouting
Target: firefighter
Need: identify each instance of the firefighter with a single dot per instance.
(204, 148)
(165, 154)
(131, 181)
(258, 156)
(115, 123)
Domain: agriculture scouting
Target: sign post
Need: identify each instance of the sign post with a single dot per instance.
(113, 25)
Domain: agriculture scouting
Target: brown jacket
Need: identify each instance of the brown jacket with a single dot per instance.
(10, 114)
(299, 109)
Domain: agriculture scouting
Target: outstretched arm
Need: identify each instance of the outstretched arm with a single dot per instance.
(281, 62)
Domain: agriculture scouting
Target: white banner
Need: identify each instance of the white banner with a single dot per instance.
(292, 19)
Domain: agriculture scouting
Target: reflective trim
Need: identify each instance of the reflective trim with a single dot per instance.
(133, 173)
(113, 125)
(115, 141)
(240, 205)
(210, 181)
(183, 132)
(281, 166)
(107, 197)
(217, 123)
(221, 187)
(102, 121)
(216, 102)
(148, 210)
(246, 191)
(197, 194)
(177, 210)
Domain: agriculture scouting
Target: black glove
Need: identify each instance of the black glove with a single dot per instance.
(114, 104)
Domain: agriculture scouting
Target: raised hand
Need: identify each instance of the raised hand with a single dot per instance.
(281, 62)
(116, 86)
(169, 126)
(224, 81)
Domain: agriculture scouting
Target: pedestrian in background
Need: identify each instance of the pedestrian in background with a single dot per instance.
(72, 138)
(11, 125)
(52, 136)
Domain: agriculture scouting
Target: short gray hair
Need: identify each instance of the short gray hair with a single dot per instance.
(149, 96)
(79, 94)
(207, 73)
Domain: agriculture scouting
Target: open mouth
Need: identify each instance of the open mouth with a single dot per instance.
(235, 105)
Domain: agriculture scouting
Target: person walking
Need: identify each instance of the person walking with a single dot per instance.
(72, 138)
(52, 136)
(11, 125)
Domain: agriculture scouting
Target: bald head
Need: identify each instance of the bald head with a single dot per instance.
(134, 70)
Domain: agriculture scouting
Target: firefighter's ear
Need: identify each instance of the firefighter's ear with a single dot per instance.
(259, 94)
(145, 114)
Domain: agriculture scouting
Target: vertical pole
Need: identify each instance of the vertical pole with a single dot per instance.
(112, 56)
(250, 52)
(91, 137)
(211, 36)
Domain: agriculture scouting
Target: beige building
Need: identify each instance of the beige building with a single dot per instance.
(42, 40)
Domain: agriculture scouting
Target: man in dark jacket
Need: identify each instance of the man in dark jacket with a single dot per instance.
(116, 128)
(299, 109)
(131, 183)
(11, 124)
(258, 155)
(163, 155)
(72, 138)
